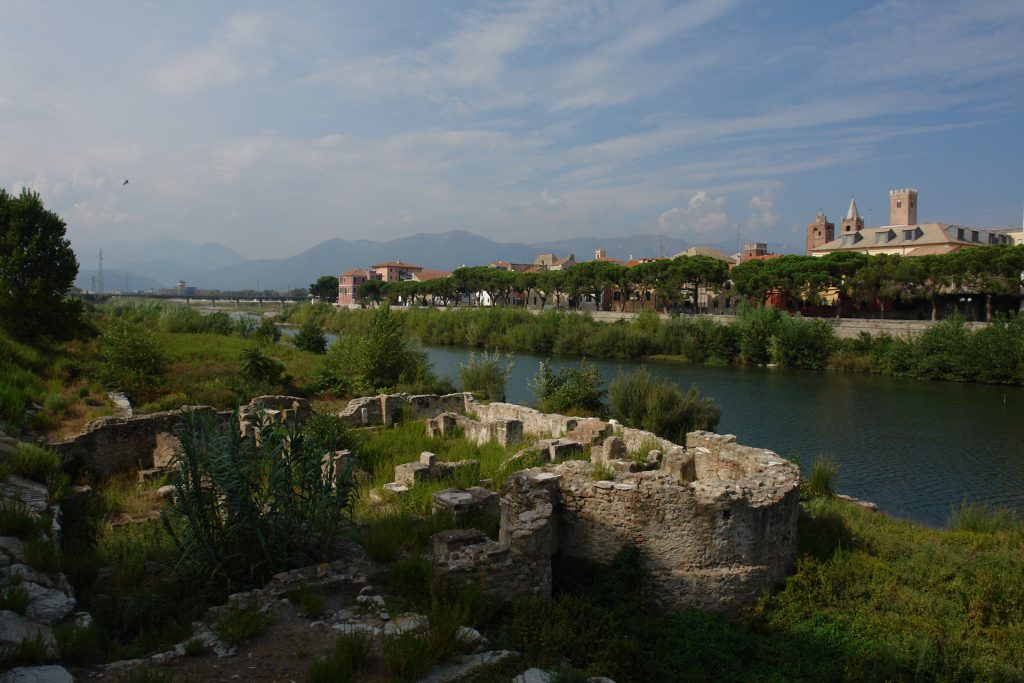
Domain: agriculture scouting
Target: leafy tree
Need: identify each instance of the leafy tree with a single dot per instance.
(325, 288)
(486, 376)
(258, 370)
(132, 359)
(37, 269)
(370, 290)
(268, 332)
(310, 337)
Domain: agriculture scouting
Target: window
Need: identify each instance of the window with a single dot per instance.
(911, 203)
(908, 235)
(975, 237)
(960, 234)
(899, 205)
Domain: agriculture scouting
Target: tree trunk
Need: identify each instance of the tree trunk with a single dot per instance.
(935, 307)
(988, 308)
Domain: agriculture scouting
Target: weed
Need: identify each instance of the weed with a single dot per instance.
(239, 624)
(569, 674)
(16, 599)
(980, 518)
(16, 519)
(43, 554)
(194, 647)
(485, 376)
(822, 480)
(147, 676)
(412, 576)
(342, 665)
(78, 644)
(602, 472)
(309, 600)
(408, 656)
(38, 464)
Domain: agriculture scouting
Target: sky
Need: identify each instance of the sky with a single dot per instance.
(270, 127)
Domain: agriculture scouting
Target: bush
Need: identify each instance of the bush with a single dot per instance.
(310, 338)
(486, 376)
(980, 518)
(342, 665)
(16, 519)
(38, 464)
(267, 332)
(376, 361)
(132, 358)
(308, 600)
(644, 401)
(239, 624)
(258, 370)
(569, 389)
(822, 481)
(802, 343)
(245, 511)
(756, 327)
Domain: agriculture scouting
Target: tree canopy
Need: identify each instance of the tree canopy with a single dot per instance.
(325, 288)
(37, 269)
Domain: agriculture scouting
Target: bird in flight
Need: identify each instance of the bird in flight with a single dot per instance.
(125, 182)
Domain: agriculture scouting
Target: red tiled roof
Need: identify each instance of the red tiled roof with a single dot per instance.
(397, 264)
(355, 272)
(425, 274)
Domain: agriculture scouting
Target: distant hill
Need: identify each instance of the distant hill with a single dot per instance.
(215, 266)
(114, 279)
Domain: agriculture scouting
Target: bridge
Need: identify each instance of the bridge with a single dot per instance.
(188, 299)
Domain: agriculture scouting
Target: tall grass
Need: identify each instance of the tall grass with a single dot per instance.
(982, 519)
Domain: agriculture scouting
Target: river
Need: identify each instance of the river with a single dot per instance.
(914, 447)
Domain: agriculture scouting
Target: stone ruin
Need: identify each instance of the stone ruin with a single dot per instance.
(714, 521)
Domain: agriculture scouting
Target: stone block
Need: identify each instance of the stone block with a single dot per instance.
(679, 464)
(427, 458)
(466, 502)
(409, 473)
(454, 540)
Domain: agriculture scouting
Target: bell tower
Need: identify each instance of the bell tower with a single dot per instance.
(819, 231)
(852, 222)
(903, 206)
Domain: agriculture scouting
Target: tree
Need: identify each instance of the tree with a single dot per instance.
(325, 288)
(310, 337)
(37, 268)
(370, 289)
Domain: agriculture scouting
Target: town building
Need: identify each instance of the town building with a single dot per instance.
(348, 285)
(903, 236)
(396, 271)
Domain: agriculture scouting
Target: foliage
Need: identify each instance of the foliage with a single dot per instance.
(267, 332)
(132, 358)
(17, 519)
(38, 464)
(343, 664)
(980, 518)
(259, 370)
(310, 338)
(309, 600)
(379, 360)
(239, 624)
(245, 511)
(822, 482)
(486, 375)
(325, 288)
(37, 269)
(801, 343)
(569, 389)
(655, 404)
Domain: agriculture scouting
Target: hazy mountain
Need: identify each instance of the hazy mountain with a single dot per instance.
(114, 279)
(164, 260)
(217, 267)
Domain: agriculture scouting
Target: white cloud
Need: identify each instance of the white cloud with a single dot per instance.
(704, 217)
(762, 211)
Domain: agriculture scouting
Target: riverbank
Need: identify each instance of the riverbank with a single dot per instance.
(948, 350)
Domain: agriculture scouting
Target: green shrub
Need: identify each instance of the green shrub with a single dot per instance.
(375, 361)
(245, 511)
(802, 343)
(569, 674)
(40, 464)
(239, 624)
(822, 480)
(194, 647)
(486, 375)
(168, 402)
(267, 332)
(412, 576)
(756, 325)
(310, 338)
(569, 389)
(654, 404)
(16, 598)
(602, 472)
(408, 656)
(341, 666)
(16, 519)
(258, 370)
(308, 600)
(78, 644)
(980, 518)
(132, 358)
(43, 554)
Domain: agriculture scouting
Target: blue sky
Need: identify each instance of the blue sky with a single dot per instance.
(270, 128)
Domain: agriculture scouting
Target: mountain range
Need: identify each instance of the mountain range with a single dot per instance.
(215, 266)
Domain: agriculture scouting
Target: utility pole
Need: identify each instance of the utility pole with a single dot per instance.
(738, 228)
(101, 271)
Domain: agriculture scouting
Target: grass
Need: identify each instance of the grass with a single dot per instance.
(822, 481)
(16, 519)
(980, 518)
(602, 472)
(309, 600)
(343, 664)
(870, 598)
(239, 624)
(43, 554)
(16, 598)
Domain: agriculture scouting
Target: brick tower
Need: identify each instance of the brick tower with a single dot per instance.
(903, 206)
(852, 222)
(820, 231)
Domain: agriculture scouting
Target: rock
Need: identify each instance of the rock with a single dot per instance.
(13, 548)
(15, 628)
(371, 601)
(367, 590)
(25, 573)
(469, 636)
(47, 605)
(38, 674)
(395, 487)
(405, 622)
(33, 494)
(533, 675)
(465, 666)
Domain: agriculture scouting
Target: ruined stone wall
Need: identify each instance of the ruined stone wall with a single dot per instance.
(111, 445)
(387, 409)
(534, 421)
